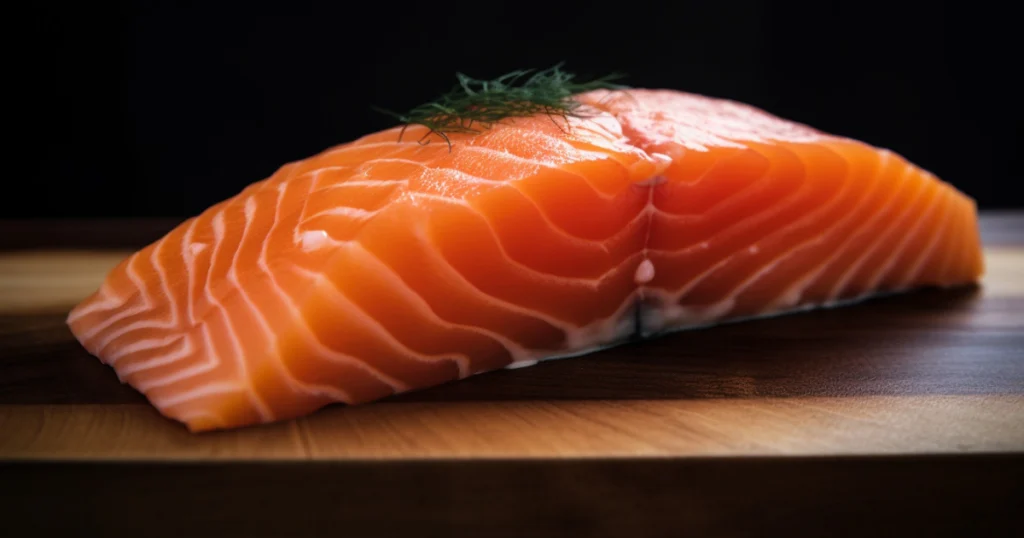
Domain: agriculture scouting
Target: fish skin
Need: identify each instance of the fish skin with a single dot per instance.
(381, 266)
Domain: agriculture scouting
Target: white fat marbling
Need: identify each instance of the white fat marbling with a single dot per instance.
(644, 272)
(195, 248)
(314, 240)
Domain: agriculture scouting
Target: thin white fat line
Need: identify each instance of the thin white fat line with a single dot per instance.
(720, 207)
(574, 340)
(591, 282)
(104, 299)
(144, 344)
(538, 275)
(184, 350)
(302, 210)
(211, 389)
(427, 309)
(918, 264)
(113, 332)
(443, 264)
(769, 266)
(390, 183)
(840, 285)
(898, 251)
(343, 211)
(562, 233)
(808, 279)
(248, 210)
(106, 323)
(649, 209)
(952, 247)
(200, 368)
(460, 360)
(212, 362)
(313, 340)
(264, 268)
(789, 200)
(175, 315)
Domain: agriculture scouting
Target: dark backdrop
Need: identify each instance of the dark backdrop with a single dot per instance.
(152, 108)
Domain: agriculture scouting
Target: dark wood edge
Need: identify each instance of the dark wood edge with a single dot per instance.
(976, 495)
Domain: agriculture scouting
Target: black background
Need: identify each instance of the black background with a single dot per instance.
(154, 108)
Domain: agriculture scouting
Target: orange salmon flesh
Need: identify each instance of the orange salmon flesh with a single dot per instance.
(382, 266)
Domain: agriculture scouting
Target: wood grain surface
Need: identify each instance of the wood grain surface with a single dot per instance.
(907, 408)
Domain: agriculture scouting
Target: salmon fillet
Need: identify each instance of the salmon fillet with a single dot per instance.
(382, 266)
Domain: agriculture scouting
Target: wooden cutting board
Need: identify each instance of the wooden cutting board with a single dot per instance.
(909, 407)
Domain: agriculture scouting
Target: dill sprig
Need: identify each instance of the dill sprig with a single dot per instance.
(475, 105)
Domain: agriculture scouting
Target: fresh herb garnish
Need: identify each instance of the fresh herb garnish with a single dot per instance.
(475, 105)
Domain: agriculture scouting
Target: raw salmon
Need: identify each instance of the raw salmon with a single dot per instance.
(381, 266)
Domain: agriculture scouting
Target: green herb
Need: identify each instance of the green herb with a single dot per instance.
(474, 105)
